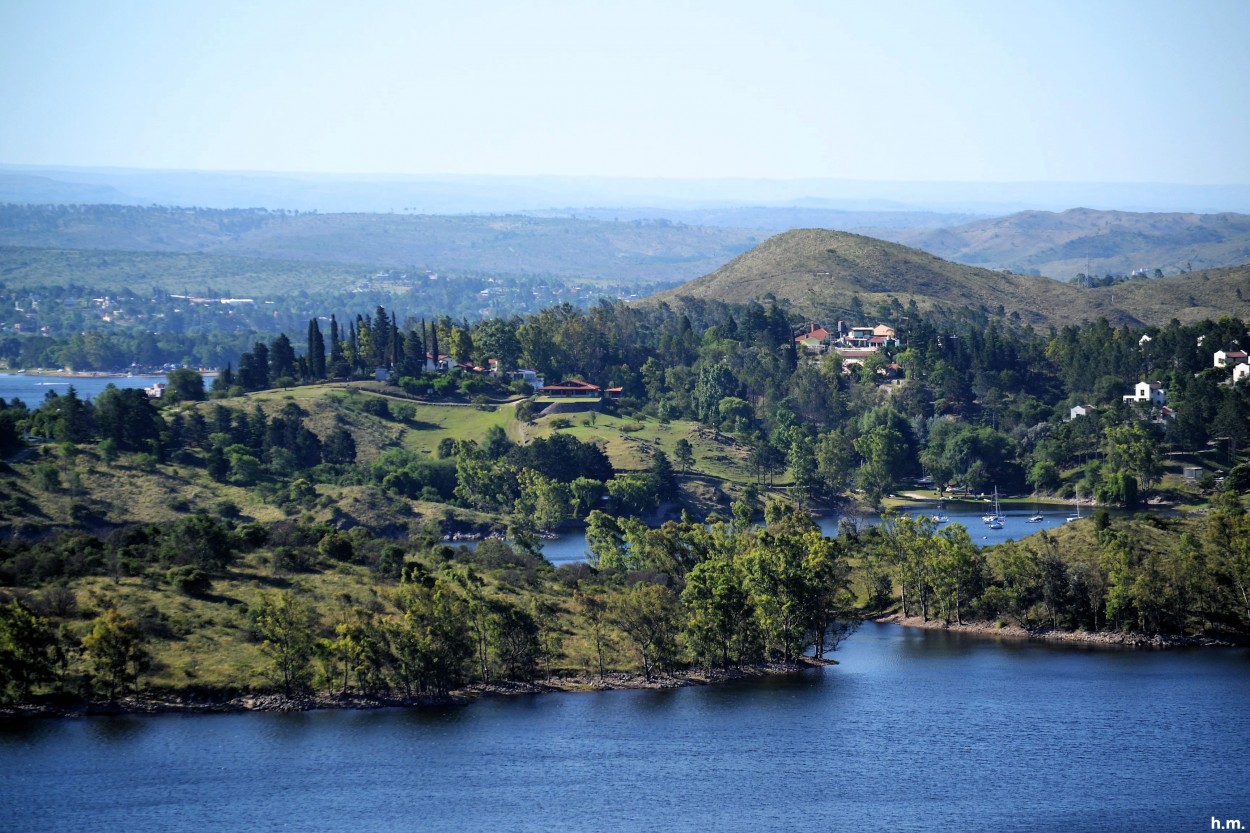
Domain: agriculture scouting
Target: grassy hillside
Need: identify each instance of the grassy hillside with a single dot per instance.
(94, 494)
(1061, 245)
(820, 272)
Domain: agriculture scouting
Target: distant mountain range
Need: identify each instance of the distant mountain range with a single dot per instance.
(818, 270)
(459, 194)
(1083, 241)
(829, 275)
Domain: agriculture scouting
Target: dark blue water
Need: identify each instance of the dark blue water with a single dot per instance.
(913, 731)
(570, 548)
(32, 388)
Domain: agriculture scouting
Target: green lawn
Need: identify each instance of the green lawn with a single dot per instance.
(630, 443)
(431, 423)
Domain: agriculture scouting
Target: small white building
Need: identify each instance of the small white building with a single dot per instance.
(1224, 358)
(1151, 392)
(1080, 411)
(1240, 372)
(530, 377)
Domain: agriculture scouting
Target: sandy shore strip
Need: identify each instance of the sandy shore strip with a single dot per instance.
(1110, 639)
(186, 703)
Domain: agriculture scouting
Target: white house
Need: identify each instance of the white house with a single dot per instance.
(1240, 372)
(1080, 411)
(1223, 358)
(1151, 392)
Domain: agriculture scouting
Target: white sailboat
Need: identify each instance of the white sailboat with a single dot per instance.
(1036, 517)
(996, 516)
(1077, 516)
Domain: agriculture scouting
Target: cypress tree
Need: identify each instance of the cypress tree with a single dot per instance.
(336, 341)
(316, 351)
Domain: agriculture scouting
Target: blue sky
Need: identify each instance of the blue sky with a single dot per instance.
(1090, 91)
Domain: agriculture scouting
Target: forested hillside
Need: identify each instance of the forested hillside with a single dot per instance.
(635, 251)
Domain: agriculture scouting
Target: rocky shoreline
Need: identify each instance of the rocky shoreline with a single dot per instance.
(175, 703)
(1101, 638)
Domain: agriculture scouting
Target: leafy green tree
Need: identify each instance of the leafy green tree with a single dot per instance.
(28, 651)
(128, 418)
(200, 541)
(594, 611)
(461, 345)
(715, 382)
(884, 456)
(683, 452)
(254, 368)
(1228, 535)
(541, 499)
(184, 385)
(827, 586)
(1132, 448)
(772, 569)
(496, 443)
(116, 651)
(606, 542)
(340, 446)
(907, 542)
(957, 572)
(718, 612)
(801, 459)
(64, 418)
(649, 617)
(287, 626)
(496, 339)
(661, 474)
(432, 646)
(514, 636)
(633, 494)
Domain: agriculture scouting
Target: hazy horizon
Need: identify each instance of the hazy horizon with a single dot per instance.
(638, 196)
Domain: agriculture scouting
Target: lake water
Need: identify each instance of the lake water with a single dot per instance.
(571, 548)
(32, 388)
(913, 731)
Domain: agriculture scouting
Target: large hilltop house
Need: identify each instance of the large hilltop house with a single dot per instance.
(571, 387)
(845, 337)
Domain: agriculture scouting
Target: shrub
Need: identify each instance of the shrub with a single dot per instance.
(188, 580)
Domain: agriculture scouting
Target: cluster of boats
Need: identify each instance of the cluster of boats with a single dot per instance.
(994, 518)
